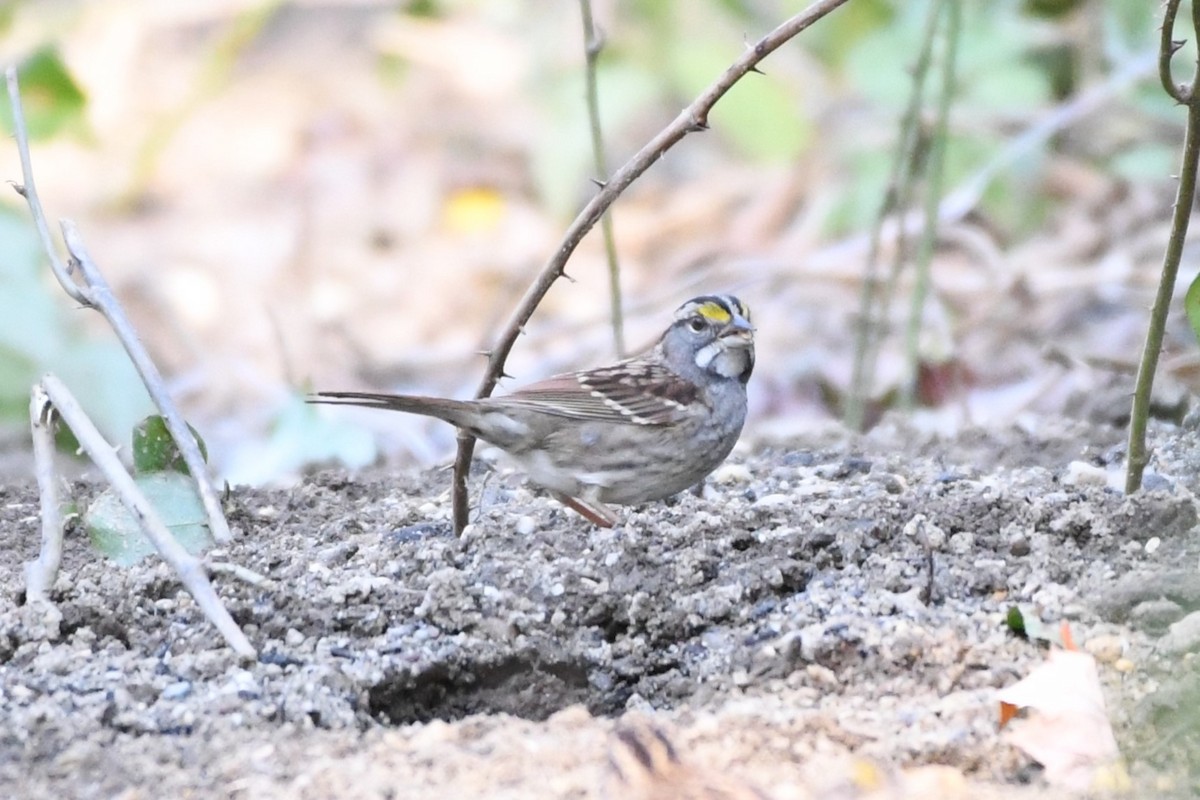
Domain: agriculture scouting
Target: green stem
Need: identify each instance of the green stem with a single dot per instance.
(933, 194)
(1184, 195)
(592, 45)
(871, 319)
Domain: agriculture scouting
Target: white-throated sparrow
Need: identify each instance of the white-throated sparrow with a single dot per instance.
(642, 429)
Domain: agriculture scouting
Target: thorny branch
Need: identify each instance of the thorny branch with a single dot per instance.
(692, 119)
(1185, 193)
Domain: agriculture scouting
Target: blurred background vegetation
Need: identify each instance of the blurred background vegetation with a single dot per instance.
(352, 195)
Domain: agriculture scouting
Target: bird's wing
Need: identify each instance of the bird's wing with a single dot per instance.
(637, 392)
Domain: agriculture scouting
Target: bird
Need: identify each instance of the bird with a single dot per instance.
(643, 764)
(636, 431)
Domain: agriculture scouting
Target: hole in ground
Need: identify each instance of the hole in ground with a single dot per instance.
(524, 687)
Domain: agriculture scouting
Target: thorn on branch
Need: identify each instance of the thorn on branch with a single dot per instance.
(599, 183)
(504, 375)
(567, 277)
(485, 353)
(755, 69)
(597, 42)
(1177, 45)
(698, 126)
(19, 188)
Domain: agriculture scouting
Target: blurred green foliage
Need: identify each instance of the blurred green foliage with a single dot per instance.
(38, 335)
(52, 100)
(38, 330)
(1017, 60)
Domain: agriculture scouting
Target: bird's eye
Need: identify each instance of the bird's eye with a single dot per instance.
(696, 324)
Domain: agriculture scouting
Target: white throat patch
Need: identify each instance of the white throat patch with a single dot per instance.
(725, 361)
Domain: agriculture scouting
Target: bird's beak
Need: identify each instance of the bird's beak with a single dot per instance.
(739, 329)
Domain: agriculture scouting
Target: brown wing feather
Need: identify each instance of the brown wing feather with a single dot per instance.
(638, 392)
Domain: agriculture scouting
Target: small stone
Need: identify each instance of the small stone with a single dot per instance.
(1124, 665)
(526, 525)
(1152, 544)
(177, 690)
(293, 637)
(773, 501)
(821, 676)
(1105, 649)
(732, 473)
(1081, 473)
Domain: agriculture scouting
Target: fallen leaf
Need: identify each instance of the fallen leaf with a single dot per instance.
(1067, 729)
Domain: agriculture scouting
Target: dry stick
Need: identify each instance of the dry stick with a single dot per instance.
(933, 194)
(187, 566)
(1189, 95)
(691, 119)
(895, 199)
(41, 572)
(96, 294)
(593, 43)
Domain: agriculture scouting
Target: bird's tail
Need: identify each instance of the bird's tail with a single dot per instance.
(456, 412)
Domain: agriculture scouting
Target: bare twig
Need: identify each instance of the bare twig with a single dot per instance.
(95, 293)
(1185, 194)
(188, 567)
(691, 119)
(933, 195)
(41, 572)
(593, 43)
(873, 317)
(243, 574)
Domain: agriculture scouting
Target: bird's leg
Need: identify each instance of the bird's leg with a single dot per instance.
(593, 511)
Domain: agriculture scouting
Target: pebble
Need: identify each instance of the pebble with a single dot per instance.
(526, 525)
(1081, 473)
(773, 501)
(732, 473)
(177, 690)
(1106, 649)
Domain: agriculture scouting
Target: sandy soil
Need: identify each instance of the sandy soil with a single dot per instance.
(773, 630)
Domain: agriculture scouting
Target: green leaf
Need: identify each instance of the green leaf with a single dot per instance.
(1015, 620)
(154, 449)
(115, 532)
(51, 98)
(1191, 304)
(1025, 621)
